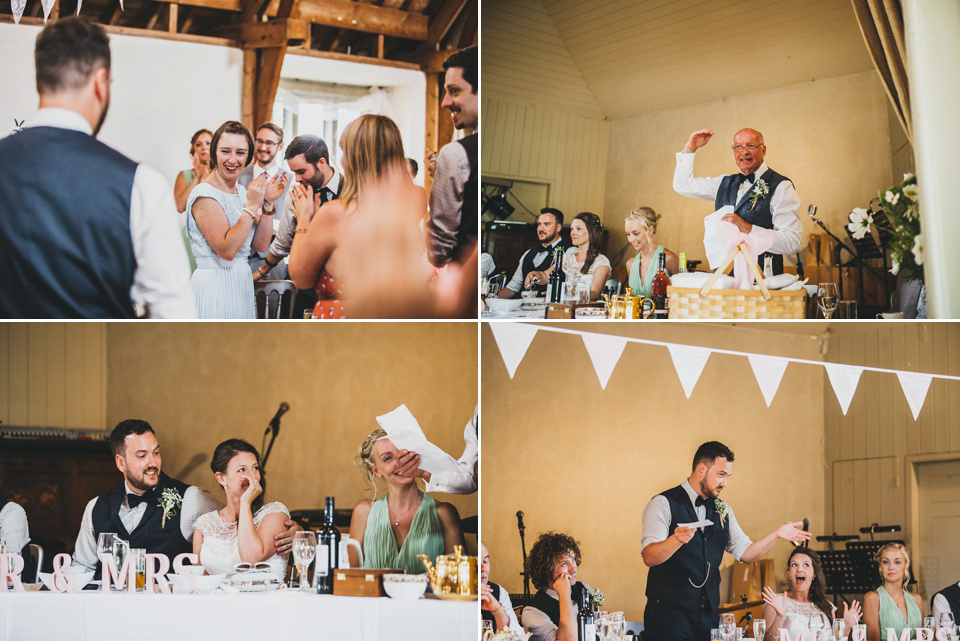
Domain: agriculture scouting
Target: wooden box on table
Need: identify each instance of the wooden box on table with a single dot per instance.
(360, 581)
(560, 310)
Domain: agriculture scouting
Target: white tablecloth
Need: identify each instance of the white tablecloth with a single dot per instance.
(287, 614)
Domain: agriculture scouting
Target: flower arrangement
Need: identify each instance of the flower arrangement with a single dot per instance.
(760, 191)
(170, 500)
(596, 598)
(901, 205)
(723, 510)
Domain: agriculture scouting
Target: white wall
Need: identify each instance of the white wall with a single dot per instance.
(164, 90)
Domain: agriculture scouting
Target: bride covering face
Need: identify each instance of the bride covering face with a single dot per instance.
(242, 531)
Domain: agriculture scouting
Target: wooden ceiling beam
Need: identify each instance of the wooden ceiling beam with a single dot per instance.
(442, 22)
(253, 9)
(274, 33)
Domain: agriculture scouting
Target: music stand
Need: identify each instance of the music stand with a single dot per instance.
(848, 572)
(867, 248)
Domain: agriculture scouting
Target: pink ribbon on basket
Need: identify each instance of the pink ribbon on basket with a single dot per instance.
(758, 241)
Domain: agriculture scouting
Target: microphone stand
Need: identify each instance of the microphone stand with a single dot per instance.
(840, 245)
(523, 548)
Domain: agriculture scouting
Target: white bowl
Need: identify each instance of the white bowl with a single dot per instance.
(186, 583)
(406, 587)
(193, 569)
(503, 304)
(76, 577)
(209, 583)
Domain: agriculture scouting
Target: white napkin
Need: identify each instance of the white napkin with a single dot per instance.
(796, 285)
(403, 429)
(780, 281)
(715, 252)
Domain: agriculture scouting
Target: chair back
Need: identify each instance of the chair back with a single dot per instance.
(37, 553)
(274, 298)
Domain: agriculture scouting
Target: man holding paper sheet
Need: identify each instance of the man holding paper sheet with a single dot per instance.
(685, 532)
(758, 195)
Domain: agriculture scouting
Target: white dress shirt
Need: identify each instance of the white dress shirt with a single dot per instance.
(538, 624)
(940, 605)
(516, 283)
(161, 279)
(14, 531)
(195, 502)
(784, 203)
(280, 247)
(656, 523)
(462, 480)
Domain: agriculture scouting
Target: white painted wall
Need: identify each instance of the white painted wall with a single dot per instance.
(164, 90)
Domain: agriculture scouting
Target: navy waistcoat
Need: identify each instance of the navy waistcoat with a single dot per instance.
(758, 214)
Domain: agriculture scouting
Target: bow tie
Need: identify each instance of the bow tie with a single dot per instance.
(702, 501)
(749, 177)
(133, 500)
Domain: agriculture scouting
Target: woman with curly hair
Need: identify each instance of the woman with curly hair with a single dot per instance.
(892, 606)
(804, 606)
(403, 523)
(552, 566)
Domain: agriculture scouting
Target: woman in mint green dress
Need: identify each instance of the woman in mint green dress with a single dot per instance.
(396, 527)
(892, 606)
(641, 225)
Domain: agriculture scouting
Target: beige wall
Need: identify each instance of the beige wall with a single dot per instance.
(582, 460)
(541, 122)
(201, 383)
(830, 136)
(871, 452)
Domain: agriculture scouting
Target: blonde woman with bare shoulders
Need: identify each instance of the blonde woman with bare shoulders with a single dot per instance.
(891, 606)
(640, 227)
(405, 522)
(372, 150)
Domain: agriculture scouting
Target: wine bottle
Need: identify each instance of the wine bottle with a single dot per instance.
(555, 281)
(683, 263)
(328, 549)
(658, 289)
(586, 628)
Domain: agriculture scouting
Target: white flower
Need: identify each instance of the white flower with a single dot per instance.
(723, 510)
(170, 499)
(910, 191)
(896, 265)
(891, 197)
(596, 597)
(918, 249)
(907, 177)
(860, 221)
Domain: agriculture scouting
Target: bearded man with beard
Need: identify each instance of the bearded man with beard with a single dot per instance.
(134, 509)
(685, 532)
(85, 232)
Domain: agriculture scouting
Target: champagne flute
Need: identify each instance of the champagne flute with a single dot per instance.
(859, 632)
(759, 628)
(715, 634)
(827, 298)
(304, 549)
(728, 624)
(947, 621)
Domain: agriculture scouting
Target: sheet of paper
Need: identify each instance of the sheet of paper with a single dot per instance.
(404, 431)
(700, 523)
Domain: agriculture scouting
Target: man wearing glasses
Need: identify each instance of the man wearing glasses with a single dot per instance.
(759, 195)
(269, 140)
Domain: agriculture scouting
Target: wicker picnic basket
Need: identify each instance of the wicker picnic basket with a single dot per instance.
(690, 302)
(686, 302)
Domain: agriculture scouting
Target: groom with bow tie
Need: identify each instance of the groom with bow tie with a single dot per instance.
(683, 585)
(149, 509)
(759, 195)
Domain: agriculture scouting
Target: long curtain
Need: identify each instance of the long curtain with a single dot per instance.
(881, 22)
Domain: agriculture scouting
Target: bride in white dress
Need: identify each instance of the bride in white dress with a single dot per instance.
(804, 606)
(237, 534)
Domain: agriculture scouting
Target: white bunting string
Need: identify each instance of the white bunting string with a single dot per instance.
(768, 371)
(605, 351)
(915, 387)
(513, 339)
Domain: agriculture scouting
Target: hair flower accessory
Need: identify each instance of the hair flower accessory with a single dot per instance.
(760, 191)
(169, 501)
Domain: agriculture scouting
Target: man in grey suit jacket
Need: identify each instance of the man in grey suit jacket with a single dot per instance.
(268, 143)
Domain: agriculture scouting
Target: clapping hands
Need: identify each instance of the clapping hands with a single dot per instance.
(256, 191)
(851, 613)
(200, 169)
(276, 186)
(304, 205)
(776, 601)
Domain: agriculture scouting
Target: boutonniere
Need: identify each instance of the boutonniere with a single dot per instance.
(723, 510)
(760, 191)
(170, 500)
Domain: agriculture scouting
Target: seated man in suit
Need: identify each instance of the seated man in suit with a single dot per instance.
(536, 261)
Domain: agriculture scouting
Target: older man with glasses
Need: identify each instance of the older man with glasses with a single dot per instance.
(759, 195)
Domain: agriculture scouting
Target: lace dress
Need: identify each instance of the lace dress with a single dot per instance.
(573, 270)
(800, 616)
(220, 551)
(221, 288)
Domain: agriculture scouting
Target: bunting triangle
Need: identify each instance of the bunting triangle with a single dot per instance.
(47, 8)
(513, 339)
(689, 363)
(915, 387)
(844, 379)
(605, 352)
(768, 371)
(17, 6)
